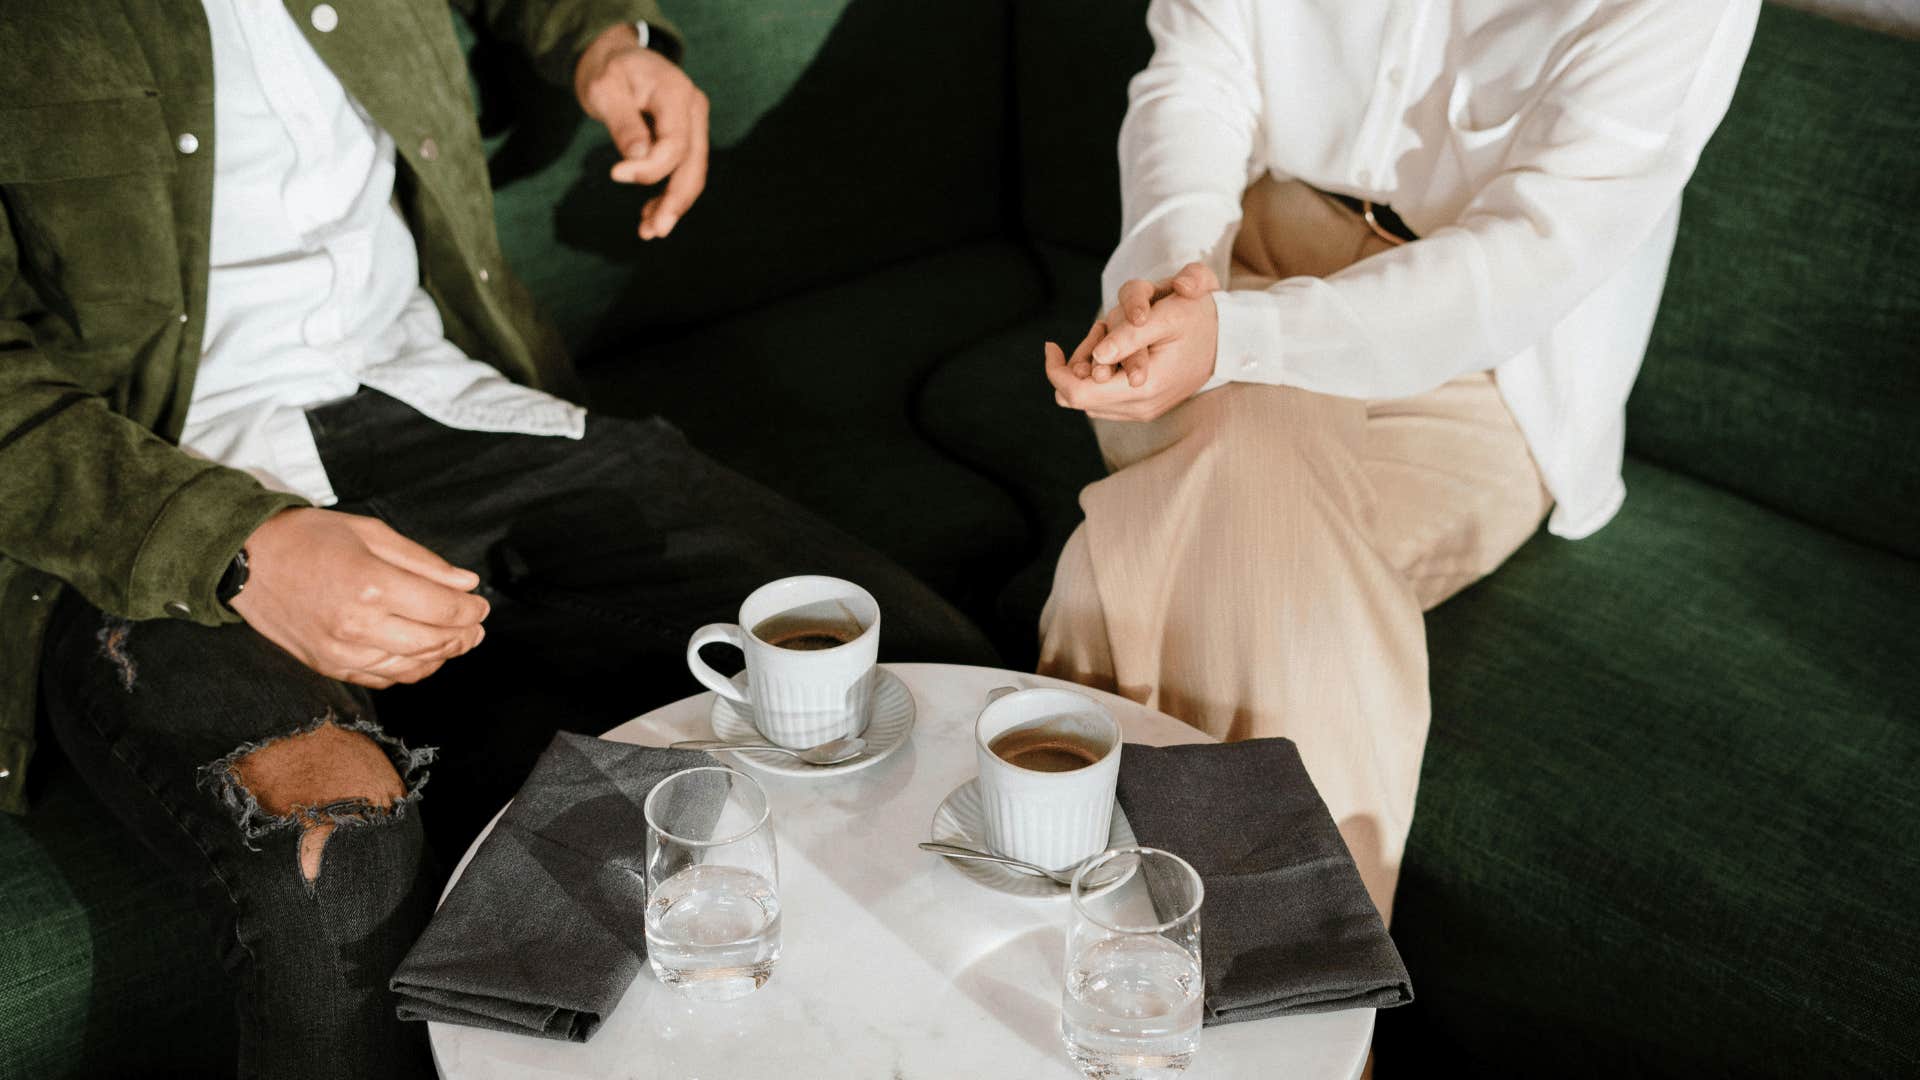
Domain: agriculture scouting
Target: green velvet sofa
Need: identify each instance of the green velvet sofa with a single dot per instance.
(1669, 821)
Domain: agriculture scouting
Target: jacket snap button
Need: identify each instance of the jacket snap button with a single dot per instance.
(325, 18)
(175, 607)
(187, 142)
(429, 150)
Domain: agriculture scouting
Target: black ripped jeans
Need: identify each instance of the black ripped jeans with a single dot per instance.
(599, 557)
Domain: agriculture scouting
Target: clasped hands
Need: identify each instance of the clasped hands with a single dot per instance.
(1154, 350)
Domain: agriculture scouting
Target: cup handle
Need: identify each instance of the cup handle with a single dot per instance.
(714, 634)
(999, 692)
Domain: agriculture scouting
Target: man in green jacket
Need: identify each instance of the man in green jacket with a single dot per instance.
(278, 427)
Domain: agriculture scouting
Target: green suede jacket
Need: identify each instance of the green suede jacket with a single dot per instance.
(106, 201)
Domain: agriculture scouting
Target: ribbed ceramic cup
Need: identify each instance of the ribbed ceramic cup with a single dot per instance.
(799, 698)
(1050, 819)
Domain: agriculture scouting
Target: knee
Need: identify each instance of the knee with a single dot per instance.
(1250, 451)
(318, 780)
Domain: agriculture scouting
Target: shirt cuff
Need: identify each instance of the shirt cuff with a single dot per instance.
(1247, 341)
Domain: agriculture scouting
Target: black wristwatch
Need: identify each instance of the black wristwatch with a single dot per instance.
(234, 580)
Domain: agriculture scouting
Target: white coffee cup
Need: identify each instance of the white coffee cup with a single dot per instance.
(1050, 819)
(799, 697)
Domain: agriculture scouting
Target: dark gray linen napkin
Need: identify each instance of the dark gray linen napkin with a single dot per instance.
(1286, 925)
(546, 927)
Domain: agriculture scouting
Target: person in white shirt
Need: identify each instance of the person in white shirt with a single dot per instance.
(1443, 229)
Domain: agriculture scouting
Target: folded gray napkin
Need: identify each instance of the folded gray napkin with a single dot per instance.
(1286, 925)
(546, 928)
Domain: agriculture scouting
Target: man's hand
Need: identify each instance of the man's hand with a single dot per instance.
(1162, 334)
(657, 117)
(354, 600)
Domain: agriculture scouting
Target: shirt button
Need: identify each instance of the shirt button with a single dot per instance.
(175, 607)
(429, 150)
(187, 142)
(1393, 77)
(325, 18)
(1364, 177)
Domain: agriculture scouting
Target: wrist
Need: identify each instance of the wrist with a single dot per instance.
(234, 581)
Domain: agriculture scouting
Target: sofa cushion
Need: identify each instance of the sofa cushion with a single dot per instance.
(810, 397)
(105, 968)
(1666, 821)
(848, 134)
(1071, 63)
(989, 406)
(1783, 364)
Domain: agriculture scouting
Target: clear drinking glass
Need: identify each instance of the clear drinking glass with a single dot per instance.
(713, 901)
(1131, 1009)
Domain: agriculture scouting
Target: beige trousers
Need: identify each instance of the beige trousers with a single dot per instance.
(1259, 559)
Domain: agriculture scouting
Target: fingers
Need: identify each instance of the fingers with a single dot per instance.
(1128, 339)
(1136, 297)
(632, 137)
(399, 670)
(1082, 362)
(664, 211)
(400, 636)
(1195, 280)
(397, 550)
(664, 97)
(613, 102)
(411, 596)
(1057, 370)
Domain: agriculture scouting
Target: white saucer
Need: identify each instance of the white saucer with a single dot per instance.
(961, 819)
(887, 729)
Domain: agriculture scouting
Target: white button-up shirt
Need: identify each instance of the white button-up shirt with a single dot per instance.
(1538, 147)
(314, 284)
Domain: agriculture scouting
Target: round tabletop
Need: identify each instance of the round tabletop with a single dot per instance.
(894, 966)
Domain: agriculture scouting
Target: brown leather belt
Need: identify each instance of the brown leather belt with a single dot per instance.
(1379, 217)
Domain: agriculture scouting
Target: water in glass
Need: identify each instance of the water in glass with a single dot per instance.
(714, 931)
(1132, 1008)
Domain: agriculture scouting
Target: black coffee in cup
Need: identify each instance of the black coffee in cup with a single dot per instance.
(825, 625)
(1044, 749)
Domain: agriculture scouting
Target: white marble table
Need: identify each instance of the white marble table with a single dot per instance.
(894, 966)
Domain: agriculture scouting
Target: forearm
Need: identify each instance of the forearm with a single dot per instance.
(1186, 144)
(138, 526)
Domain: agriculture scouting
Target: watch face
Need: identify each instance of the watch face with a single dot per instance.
(234, 580)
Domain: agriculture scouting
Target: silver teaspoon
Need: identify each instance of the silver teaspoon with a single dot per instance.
(827, 753)
(1063, 877)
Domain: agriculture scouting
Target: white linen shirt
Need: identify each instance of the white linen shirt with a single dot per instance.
(314, 285)
(1537, 147)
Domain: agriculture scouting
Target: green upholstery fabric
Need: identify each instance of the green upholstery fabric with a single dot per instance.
(1072, 60)
(1786, 360)
(104, 967)
(851, 133)
(810, 396)
(988, 406)
(1666, 824)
